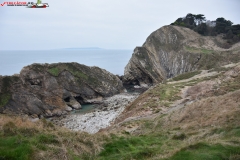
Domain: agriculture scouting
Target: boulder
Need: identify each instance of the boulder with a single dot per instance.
(68, 109)
(74, 103)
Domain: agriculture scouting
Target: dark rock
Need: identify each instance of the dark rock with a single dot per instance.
(34, 116)
(105, 104)
(46, 89)
(105, 109)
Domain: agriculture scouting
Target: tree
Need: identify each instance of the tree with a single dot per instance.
(236, 38)
(199, 24)
(236, 29)
(222, 25)
(189, 20)
(229, 35)
(199, 18)
(202, 29)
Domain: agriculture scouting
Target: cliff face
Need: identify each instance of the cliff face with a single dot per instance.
(173, 50)
(53, 89)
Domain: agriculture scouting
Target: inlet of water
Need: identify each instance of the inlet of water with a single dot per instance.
(86, 108)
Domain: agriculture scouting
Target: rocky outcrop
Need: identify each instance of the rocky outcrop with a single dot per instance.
(173, 50)
(53, 89)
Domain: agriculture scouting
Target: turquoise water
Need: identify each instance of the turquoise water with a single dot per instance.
(85, 109)
(114, 61)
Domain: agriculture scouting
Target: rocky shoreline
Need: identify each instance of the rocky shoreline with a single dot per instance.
(46, 90)
(100, 118)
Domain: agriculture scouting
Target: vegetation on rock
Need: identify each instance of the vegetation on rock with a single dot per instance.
(186, 75)
(199, 24)
(5, 84)
(42, 89)
(54, 71)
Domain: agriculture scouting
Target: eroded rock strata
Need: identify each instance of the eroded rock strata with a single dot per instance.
(173, 50)
(53, 89)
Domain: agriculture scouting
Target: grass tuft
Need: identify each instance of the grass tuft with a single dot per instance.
(9, 129)
(54, 71)
(186, 75)
(202, 151)
(15, 148)
(198, 50)
(22, 139)
(134, 147)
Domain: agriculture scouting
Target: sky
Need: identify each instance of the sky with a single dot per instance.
(108, 24)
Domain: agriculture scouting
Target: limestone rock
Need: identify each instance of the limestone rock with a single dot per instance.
(68, 109)
(173, 50)
(74, 103)
(46, 89)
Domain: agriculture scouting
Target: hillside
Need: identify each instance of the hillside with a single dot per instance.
(194, 115)
(173, 50)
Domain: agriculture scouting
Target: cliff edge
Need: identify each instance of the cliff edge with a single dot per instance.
(173, 50)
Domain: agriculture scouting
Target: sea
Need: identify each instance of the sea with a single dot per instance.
(114, 61)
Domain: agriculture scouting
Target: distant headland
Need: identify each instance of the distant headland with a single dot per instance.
(85, 48)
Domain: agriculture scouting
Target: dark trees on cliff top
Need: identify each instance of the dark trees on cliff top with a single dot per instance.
(211, 28)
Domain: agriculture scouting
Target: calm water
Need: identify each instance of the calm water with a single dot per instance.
(86, 108)
(114, 61)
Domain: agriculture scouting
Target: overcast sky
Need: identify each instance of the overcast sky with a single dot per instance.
(109, 24)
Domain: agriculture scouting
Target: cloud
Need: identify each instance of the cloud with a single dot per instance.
(99, 23)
